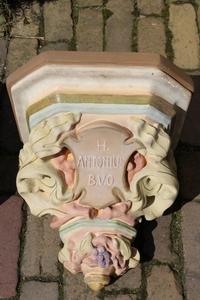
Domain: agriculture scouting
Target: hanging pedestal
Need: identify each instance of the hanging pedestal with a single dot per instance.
(99, 131)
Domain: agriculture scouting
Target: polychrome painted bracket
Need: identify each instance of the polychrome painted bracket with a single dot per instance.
(97, 155)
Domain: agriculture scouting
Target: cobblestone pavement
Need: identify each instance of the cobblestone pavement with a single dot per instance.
(170, 267)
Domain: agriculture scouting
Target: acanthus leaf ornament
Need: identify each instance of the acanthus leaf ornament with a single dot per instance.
(96, 232)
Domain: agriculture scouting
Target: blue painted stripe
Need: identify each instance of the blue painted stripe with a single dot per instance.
(98, 108)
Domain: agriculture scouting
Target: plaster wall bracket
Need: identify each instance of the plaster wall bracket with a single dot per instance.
(99, 131)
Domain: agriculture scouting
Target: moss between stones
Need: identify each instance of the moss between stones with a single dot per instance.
(22, 245)
(177, 248)
(106, 15)
(61, 280)
(122, 291)
(41, 28)
(74, 16)
(134, 44)
(168, 47)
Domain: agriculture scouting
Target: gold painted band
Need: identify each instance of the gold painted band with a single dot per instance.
(155, 101)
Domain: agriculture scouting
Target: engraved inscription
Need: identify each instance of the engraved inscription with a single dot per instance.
(102, 162)
(98, 162)
(102, 146)
(100, 180)
(101, 156)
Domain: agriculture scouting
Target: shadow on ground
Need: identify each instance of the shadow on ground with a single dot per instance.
(15, 5)
(187, 157)
(187, 154)
(10, 145)
(144, 241)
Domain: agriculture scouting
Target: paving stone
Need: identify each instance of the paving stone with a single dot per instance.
(193, 287)
(3, 53)
(90, 30)
(8, 172)
(41, 248)
(161, 284)
(130, 280)
(76, 289)
(191, 129)
(34, 290)
(119, 25)
(10, 226)
(121, 297)
(54, 46)
(51, 242)
(33, 246)
(85, 3)
(147, 7)
(151, 35)
(191, 241)
(188, 165)
(19, 52)
(26, 21)
(185, 41)
(57, 20)
(161, 235)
